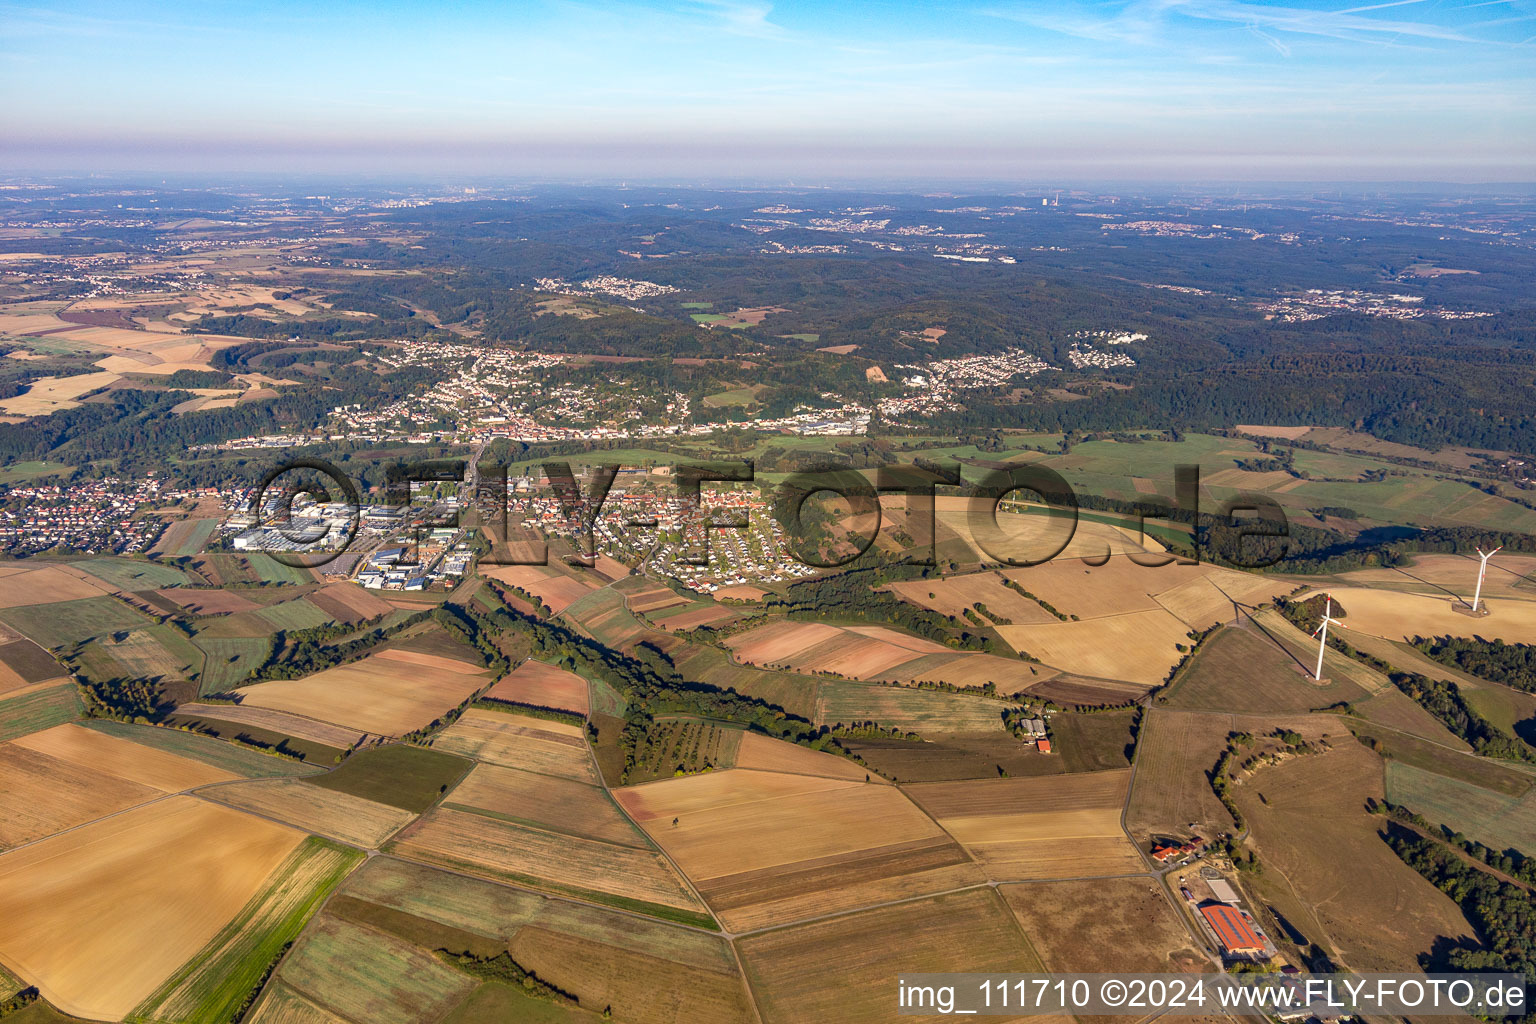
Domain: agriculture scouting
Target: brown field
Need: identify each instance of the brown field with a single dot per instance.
(520, 741)
(770, 755)
(958, 755)
(1398, 616)
(555, 589)
(48, 585)
(208, 602)
(137, 895)
(1259, 669)
(1032, 537)
(653, 597)
(765, 848)
(282, 1005)
(548, 802)
(325, 812)
(349, 603)
(856, 652)
(124, 759)
(1062, 826)
(1288, 433)
(740, 592)
(387, 693)
(1328, 871)
(1134, 646)
(952, 595)
(25, 664)
(1068, 689)
(497, 849)
(1446, 575)
(845, 969)
(1104, 925)
(1120, 585)
(44, 795)
(298, 727)
(708, 615)
(543, 685)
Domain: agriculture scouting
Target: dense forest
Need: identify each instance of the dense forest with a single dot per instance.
(1511, 664)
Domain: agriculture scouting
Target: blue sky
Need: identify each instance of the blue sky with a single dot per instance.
(1401, 89)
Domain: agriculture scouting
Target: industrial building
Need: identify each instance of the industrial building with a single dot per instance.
(1235, 931)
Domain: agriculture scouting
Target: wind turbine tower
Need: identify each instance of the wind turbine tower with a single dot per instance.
(1321, 632)
(1481, 572)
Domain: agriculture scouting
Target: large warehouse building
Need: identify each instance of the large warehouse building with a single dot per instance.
(1236, 934)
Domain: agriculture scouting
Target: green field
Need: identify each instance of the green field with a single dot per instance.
(229, 661)
(495, 1003)
(194, 539)
(22, 472)
(734, 397)
(69, 622)
(233, 757)
(372, 977)
(269, 570)
(34, 712)
(411, 778)
(216, 983)
(298, 614)
(791, 691)
(907, 708)
(708, 318)
(133, 573)
(1493, 819)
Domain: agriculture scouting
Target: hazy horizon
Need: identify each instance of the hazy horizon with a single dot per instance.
(1146, 90)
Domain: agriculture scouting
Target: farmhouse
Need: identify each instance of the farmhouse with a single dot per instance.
(1234, 930)
(1177, 853)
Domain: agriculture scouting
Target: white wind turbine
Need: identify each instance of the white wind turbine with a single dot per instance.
(1481, 572)
(1321, 632)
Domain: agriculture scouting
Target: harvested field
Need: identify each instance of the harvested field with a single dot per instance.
(44, 795)
(69, 622)
(208, 602)
(1328, 871)
(1139, 647)
(325, 812)
(765, 849)
(857, 652)
(409, 778)
(1447, 576)
(1175, 755)
(34, 710)
(52, 394)
(275, 721)
(371, 977)
(212, 987)
(245, 762)
(386, 693)
(1121, 925)
(1396, 710)
(543, 685)
(793, 692)
(908, 708)
(653, 598)
(1398, 616)
(124, 759)
(139, 894)
(554, 588)
(45, 586)
(520, 741)
(1062, 826)
(157, 653)
(349, 603)
(740, 592)
(1244, 670)
(770, 755)
(282, 1005)
(646, 970)
(952, 595)
(621, 876)
(546, 802)
(844, 969)
(1495, 819)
